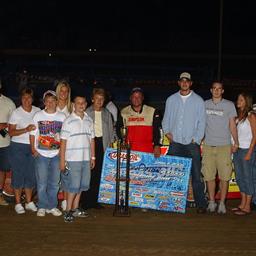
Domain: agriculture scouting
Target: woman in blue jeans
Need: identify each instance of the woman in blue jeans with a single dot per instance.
(244, 158)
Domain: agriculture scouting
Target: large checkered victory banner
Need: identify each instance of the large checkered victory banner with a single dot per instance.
(155, 183)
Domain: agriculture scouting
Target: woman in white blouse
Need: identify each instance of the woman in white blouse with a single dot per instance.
(244, 158)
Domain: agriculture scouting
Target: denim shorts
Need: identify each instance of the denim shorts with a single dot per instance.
(4, 159)
(79, 176)
(22, 165)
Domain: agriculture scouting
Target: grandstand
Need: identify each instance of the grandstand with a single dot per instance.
(156, 73)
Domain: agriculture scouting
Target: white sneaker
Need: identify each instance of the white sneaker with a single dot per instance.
(222, 208)
(41, 212)
(31, 207)
(80, 213)
(211, 206)
(19, 209)
(64, 205)
(54, 212)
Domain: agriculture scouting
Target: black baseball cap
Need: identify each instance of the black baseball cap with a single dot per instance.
(136, 89)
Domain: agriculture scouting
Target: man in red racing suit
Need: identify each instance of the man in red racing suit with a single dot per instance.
(143, 123)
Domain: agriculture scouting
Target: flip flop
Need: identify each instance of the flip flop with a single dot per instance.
(242, 213)
(236, 209)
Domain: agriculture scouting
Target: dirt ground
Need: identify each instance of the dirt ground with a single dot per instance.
(150, 233)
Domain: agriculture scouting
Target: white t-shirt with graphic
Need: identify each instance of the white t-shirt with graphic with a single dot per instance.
(47, 133)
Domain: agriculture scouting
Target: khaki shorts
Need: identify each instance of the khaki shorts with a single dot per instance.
(217, 160)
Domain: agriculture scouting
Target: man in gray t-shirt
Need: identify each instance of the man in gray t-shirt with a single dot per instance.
(220, 125)
(218, 115)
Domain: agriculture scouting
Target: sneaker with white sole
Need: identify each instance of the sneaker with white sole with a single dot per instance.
(64, 205)
(222, 208)
(68, 216)
(80, 213)
(211, 206)
(54, 211)
(19, 209)
(31, 207)
(41, 212)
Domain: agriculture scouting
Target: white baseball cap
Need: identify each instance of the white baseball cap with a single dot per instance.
(53, 93)
(185, 75)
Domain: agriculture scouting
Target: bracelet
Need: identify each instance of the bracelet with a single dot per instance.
(93, 158)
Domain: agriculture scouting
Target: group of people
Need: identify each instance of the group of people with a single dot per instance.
(62, 146)
(223, 132)
(57, 148)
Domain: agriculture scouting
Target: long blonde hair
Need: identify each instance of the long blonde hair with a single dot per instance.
(59, 85)
(243, 113)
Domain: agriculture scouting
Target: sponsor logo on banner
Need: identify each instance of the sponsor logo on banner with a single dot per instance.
(134, 158)
(132, 203)
(137, 199)
(104, 199)
(107, 186)
(163, 205)
(136, 194)
(177, 194)
(149, 196)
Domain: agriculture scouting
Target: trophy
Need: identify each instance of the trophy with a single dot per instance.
(122, 177)
(124, 132)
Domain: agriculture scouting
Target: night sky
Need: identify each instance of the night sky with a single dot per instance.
(153, 25)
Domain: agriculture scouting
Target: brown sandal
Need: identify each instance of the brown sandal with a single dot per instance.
(236, 209)
(242, 213)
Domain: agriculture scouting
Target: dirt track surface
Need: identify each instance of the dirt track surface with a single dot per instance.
(151, 233)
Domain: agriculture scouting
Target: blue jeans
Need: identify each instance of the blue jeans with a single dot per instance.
(244, 171)
(47, 177)
(192, 150)
(254, 177)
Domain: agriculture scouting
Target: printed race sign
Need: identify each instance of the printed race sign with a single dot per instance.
(155, 183)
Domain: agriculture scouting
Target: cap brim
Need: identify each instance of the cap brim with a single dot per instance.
(132, 92)
(185, 78)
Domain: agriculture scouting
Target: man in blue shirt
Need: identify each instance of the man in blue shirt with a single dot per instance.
(184, 125)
